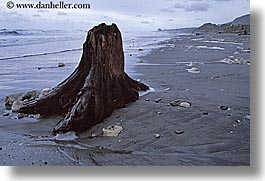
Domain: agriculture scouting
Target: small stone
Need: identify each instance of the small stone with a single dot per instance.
(167, 89)
(45, 163)
(140, 49)
(130, 55)
(158, 100)
(112, 130)
(139, 61)
(60, 64)
(231, 132)
(20, 115)
(224, 108)
(157, 135)
(179, 131)
(31, 116)
(46, 91)
(1, 148)
(205, 113)
(135, 141)
(229, 114)
(185, 104)
(31, 95)
(10, 99)
(119, 141)
(6, 114)
(147, 99)
(16, 106)
(194, 70)
(234, 125)
(94, 135)
(39, 68)
(175, 103)
(159, 112)
(238, 121)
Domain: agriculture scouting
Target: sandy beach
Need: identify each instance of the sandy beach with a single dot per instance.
(214, 129)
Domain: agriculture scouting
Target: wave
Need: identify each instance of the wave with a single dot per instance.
(9, 32)
(40, 54)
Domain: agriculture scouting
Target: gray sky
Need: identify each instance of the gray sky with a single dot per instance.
(128, 14)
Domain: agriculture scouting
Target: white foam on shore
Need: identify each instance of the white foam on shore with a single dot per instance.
(222, 42)
(211, 48)
(142, 93)
(68, 136)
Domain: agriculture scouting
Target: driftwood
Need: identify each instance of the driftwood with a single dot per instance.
(96, 87)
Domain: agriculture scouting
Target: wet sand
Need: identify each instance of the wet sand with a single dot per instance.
(211, 136)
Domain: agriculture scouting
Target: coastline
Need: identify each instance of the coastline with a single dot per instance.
(206, 138)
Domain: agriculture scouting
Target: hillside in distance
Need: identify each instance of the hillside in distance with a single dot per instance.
(240, 26)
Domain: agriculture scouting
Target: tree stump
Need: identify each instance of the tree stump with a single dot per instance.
(98, 85)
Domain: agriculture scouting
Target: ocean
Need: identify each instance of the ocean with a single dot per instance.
(29, 58)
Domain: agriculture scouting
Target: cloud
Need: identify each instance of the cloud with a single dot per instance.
(36, 15)
(165, 10)
(61, 13)
(193, 7)
(104, 17)
(42, 11)
(146, 22)
(12, 16)
(199, 7)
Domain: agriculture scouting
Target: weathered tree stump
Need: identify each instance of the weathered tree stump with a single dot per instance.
(96, 87)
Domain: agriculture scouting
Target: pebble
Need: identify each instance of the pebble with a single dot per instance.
(112, 130)
(159, 112)
(234, 125)
(229, 114)
(60, 64)
(185, 104)
(16, 105)
(231, 132)
(179, 131)
(147, 99)
(224, 108)
(167, 89)
(39, 68)
(31, 95)
(193, 70)
(157, 135)
(238, 121)
(93, 135)
(20, 115)
(139, 61)
(10, 99)
(205, 113)
(158, 100)
(174, 103)
(140, 50)
(6, 114)
(31, 116)
(46, 91)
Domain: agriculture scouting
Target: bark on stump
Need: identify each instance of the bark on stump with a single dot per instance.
(96, 87)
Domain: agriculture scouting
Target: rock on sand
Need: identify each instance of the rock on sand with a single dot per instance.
(112, 130)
